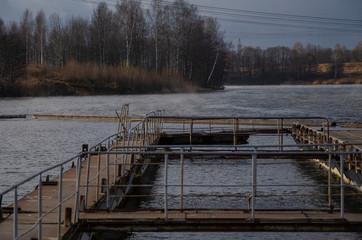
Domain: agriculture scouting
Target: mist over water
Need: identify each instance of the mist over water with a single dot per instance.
(29, 145)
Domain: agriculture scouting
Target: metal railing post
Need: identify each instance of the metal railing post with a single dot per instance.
(342, 185)
(87, 181)
(182, 180)
(76, 211)
(60, 202)
(107, 179)
(98, 170)
(40, 206)
(191, 128)
(15, 222)
(330, 179)
(165, 185)
(282, 136)
(254, 182)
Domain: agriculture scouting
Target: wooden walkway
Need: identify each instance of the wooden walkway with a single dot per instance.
(220, 221)
(351, 136)
(28, 205)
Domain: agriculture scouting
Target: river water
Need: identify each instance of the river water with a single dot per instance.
(28, 145)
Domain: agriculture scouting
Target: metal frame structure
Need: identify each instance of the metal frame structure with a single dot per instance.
(126, 148)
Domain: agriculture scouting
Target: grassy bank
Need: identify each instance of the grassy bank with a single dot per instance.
(92, 79)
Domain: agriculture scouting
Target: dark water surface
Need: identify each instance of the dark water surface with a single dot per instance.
(28, 145)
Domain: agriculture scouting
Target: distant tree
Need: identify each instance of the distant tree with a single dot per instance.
(357, 53)
(298, 59)
(40, 35)
(132, 25)
(27, 29)
(338, 64)
(100, 28)
(56, 41)
(12, 58)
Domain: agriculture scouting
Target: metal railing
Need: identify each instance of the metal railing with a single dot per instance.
(126, 138)
(183, 151)
(118, 149)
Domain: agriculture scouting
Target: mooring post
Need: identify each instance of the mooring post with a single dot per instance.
(68, 217)
(165, 186)
(60, 201)
(342, 185)
(40, 206)
(182, 179)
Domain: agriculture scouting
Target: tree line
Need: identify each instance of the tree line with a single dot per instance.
(275, 65)
(167, 38)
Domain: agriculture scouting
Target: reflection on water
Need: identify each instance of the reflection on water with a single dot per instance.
(29, 145)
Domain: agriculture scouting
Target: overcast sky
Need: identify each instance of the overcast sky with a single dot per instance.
(263, 23)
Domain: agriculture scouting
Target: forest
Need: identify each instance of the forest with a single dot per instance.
(120, 49)
(168, 47)
(298, 65)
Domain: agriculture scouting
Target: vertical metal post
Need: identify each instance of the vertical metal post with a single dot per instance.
(87, 181)
(115, 168)
(278, 123)
(342, 185)
(191, 128)
(254, 182)
(234, 132)
(98, 171)
(165, 186)
(182, 180)
(107, 179)
(282, 136)
(60, 202)
(40, 206)
(330, 179)
(15, 227)
(76, 211)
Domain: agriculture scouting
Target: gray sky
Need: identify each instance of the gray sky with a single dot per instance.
(263, 23)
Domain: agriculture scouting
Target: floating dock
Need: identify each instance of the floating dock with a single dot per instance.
(88, 194)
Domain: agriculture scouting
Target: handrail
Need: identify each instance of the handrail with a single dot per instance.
(144, 133)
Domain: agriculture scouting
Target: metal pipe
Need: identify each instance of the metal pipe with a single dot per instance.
(254, 182)
(87, 181)
(191, 127)
(98, 169)
(107, 179)
(60, 202)
(15, 222)
(76, 211)
(342, 185)
(330, 179)
(182, 180)
(165, 186)
(282, 136)
(40, 206)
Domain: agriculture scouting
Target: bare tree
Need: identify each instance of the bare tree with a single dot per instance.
(100, 28)
(40, 35)
(56, 41)
(27, 28)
